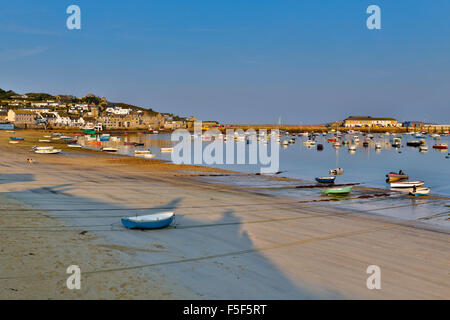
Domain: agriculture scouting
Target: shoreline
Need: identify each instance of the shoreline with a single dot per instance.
(237, 240)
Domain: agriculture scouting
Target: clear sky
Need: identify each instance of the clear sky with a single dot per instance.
(243, 61)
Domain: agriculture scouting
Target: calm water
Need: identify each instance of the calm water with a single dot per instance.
(366, 166)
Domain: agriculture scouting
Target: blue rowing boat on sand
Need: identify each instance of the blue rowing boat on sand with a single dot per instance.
(326, 179)
(16, 139)
(151, 221)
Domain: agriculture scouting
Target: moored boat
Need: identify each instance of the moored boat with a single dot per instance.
(109, 149)
(326, 179)
(417, 192)
(16, 139)
(337, 171)
(151, 221)
(394, 176)
(166, 149)
(440, 146)
(407, 184)
(337, 191)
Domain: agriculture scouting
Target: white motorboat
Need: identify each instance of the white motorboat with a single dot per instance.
(74, 146)
(166, 149)
(407, 184)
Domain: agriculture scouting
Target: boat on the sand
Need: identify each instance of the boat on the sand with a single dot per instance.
(326, 179)
(407, 184)
(337, 191)
(419, 192)
(151, 221)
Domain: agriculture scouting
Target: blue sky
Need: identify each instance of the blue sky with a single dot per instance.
(237, 61)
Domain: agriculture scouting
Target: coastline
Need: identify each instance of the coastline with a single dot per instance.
(225, 236)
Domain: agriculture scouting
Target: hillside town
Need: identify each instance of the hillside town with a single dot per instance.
(40, 110)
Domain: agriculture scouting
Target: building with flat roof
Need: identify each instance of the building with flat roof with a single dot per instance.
(367, 121)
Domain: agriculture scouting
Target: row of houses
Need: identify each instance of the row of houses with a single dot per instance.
(27, 118)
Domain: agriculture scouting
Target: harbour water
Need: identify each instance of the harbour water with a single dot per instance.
(366, 166)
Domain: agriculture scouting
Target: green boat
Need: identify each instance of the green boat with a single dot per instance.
(337, 191)
(90, 131)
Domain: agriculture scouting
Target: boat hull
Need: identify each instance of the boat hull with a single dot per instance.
(409, 184)
(132, 223)
(337, 191)
(325, 179)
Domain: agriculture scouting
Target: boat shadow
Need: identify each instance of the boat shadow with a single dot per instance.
(16, 177)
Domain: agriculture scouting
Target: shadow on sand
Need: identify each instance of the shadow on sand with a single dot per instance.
(212, 256)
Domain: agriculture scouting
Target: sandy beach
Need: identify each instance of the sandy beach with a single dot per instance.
(229, 242)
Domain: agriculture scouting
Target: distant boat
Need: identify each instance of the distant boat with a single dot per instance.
(332, 140)
(393, 176)
(413, 143)
(407, 184)
(377, 146)
(420, 192)
(74, 145)
(46, 150)
(151, 221)
(326, 179)
(13, 142)
(166, 149)
(138, 144)
(129, 143)
(104, 139)
(320, 147)
(423, 148)
(440, 146)
(337, 171)
(352, 147)
(89, 131)
(337, 191)
(336, 144)
(109, 149)
(141, 152)
(16, 139)
(44, 140)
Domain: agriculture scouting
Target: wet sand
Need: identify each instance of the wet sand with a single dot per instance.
(229, 242)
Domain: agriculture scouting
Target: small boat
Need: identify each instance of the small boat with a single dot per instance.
(419, 192)
(326, 179)
(336, 144)
(423, 148)
(407, 184)
(377, 146)
(166, 149)
(47, 151)
(337, 171)
(365, 144)
(337, 191)
(16, 139)
(141, 152)
(13, 142)
(104, 139)
(89, 131)
(74, 146)
(44, 140)
(151, 221)
(320, 147)
(440, 146)
(352, 147)
(393, 176)
(413, 143)
(138, 144)
(285, 143)
(109, 149)
(332, 140)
